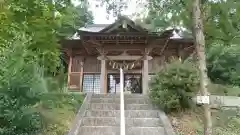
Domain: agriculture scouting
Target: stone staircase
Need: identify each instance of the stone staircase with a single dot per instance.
(102, 116)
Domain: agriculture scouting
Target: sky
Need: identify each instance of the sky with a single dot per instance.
(100, 14)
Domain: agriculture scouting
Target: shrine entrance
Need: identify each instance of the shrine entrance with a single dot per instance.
(132, 83)
(98, 54)
(132, 76)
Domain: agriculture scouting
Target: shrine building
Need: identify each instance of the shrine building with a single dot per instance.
(97, 52)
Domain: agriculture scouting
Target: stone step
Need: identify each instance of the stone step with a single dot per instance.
(128, 113)
(117, 100)
(99, 130)
(145, 131)
(118, 96)
(113, 121)
(112, 106)
(113, 130)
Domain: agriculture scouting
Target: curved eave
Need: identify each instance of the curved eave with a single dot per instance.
(80, 32)
(164, 34)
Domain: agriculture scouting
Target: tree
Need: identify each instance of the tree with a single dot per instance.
(44, 22)
(221, 28)
(220, 18)
(74, 18)
(29, 35)
(222, 63)
(113, 7)
(200, 45)
(21, 86)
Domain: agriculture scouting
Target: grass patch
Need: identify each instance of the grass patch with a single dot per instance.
(59, 111)
(225, 122)
(224, 90)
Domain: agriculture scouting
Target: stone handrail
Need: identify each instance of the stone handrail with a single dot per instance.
(122, 112)
(77, 123)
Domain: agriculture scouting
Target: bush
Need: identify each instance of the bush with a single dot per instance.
(172, 88)
(21, 87)
(59, 111)
(223, 64)
(57, 83)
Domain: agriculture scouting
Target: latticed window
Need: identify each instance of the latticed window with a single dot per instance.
(91, 83)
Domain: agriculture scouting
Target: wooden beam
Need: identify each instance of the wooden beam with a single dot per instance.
(101, 50)
(125, 47)
(107, 49)
(127, 57)
(165, 46)
(94, 42)
(85, 47)
(132, 47)
(189, 47)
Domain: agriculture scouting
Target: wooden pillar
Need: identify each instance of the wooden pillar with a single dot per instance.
(103, 76)
(105, 81)
(69, 69)
(81, 75)
(145, 77)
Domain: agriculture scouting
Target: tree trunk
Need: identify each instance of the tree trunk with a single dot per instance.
(200, 46)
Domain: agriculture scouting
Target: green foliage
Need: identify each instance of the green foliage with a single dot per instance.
(29, 35)
(72, 19)
(223, 64)
(221, 29)
(57, 83)
(21, 86)
(59, 111)
(114, 7)
(173, 87)
(26, 106)
(226, 122)
(220, 18)
(45, 22)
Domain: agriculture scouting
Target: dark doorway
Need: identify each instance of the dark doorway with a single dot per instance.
(132, 83)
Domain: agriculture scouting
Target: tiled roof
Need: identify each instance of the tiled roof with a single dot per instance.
(103, 27)
(90, 28)
(94, 27)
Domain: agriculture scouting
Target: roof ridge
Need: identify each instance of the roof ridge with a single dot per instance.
(97, 25)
